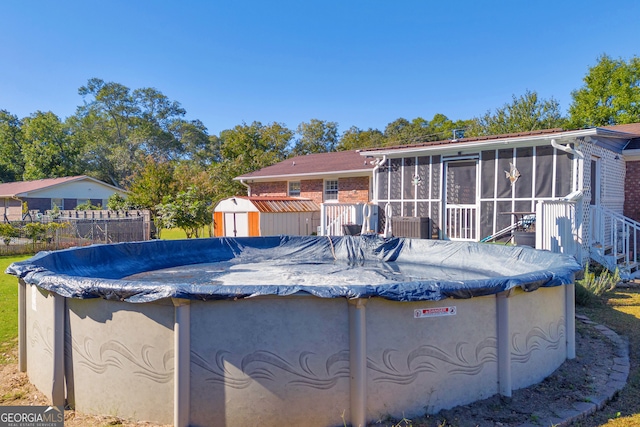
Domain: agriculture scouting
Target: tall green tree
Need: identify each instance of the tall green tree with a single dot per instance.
(317, 136)
(402, 131)
(442, 128)
(524, 114)
(48, 150)
(355, 138)
(244, 149)
(120, 127)
(150, 184)
(610, 94)
(11, 140)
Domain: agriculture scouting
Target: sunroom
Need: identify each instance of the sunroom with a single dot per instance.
(476, 190)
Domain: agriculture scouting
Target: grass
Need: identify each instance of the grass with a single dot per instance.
(8, 307)
(619, 309)
(177, 233)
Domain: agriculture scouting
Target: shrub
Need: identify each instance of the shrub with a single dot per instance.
(8, 232)
(594, 284)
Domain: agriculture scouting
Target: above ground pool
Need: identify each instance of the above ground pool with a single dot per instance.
(313, 331)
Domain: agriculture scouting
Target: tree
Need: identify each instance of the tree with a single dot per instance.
(8, 232)
(244, 149)
(317, 136)
(117, 202)
(440, 127)
(11, 139)
(120, 127)
(196, 144)
(524, 114)
(610, 94)
(48, 150)
(354, 139)
(185, 210)
(151, 183)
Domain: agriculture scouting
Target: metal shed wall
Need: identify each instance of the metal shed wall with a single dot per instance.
(293, 223)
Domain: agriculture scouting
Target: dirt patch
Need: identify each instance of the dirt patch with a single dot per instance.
(569, 384)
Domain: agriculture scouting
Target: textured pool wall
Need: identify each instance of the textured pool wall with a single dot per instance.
(296, 360)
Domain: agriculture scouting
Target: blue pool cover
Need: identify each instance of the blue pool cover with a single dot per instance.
(327, 267)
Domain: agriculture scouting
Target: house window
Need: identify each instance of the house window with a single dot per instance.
(330, 190)
(81, 202)
(57, 202)
(294, 188)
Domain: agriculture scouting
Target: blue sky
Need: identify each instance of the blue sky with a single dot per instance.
(357, 63)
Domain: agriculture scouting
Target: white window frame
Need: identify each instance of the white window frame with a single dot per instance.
(330, 194)
(293, 193)
(54, 203)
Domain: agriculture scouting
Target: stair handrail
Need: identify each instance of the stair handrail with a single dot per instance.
(622, 224)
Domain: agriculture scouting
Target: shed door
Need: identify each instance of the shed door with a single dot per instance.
(236, 224)
(461, 208)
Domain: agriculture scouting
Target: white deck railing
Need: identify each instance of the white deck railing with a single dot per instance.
(461, 222)
(334, 215)
(557, 227)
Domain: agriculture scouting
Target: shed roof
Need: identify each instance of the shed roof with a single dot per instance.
(22, 188)
(281, 204)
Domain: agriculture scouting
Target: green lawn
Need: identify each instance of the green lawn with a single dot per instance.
(620, 311)
(8, 307)
(177, 233)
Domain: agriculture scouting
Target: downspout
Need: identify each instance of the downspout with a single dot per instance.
(375, 181)
(375, 176)
(248, 187)
(566, 148)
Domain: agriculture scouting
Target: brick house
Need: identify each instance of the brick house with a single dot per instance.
(337, 177)
(632, 177)
(45, 194)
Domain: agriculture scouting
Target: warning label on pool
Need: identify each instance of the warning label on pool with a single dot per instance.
(434, 312)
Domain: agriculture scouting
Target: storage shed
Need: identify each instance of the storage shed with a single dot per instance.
(243, 216)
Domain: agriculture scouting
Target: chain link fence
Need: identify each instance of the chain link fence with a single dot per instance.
(64, 229)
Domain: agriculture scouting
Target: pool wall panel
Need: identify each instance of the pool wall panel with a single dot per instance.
(120, 358)
(538, 334)
(39, 314)
(282, 361)
(429, 363)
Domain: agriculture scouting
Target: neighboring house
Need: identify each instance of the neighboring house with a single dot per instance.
(45, 194)
(265, 216)
(482, 188)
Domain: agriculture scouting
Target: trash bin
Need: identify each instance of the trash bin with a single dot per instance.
(524, 238)
(351, 229)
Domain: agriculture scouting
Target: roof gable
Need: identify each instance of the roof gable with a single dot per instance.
(24, 188)
(315, 164)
